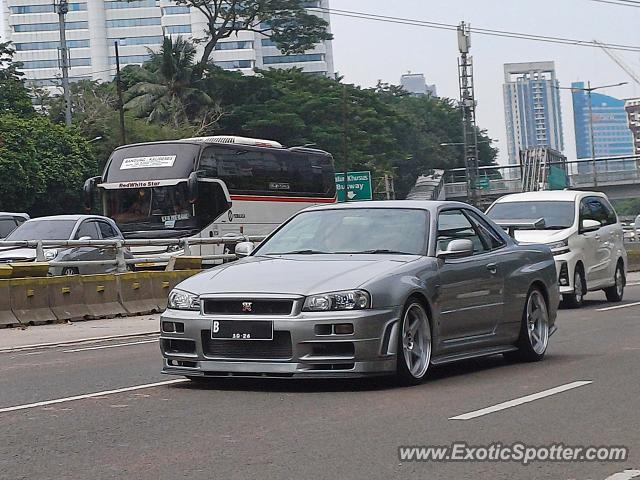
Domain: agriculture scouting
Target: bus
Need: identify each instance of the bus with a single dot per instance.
(209, 187)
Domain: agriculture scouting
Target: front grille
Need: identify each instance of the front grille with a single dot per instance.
(248, 307)
(277, 349)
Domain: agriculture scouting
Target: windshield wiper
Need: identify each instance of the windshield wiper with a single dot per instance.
(300, 252)
(378, 251)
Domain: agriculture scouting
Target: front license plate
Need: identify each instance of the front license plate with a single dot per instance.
(241, 330)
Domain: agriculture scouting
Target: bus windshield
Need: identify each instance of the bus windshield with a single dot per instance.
(153, 161)
(157, 207)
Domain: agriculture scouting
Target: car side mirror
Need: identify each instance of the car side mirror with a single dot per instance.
(457, 249)
(589, 225)
(244, 249)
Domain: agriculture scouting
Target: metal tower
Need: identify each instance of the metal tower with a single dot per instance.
(468, 108)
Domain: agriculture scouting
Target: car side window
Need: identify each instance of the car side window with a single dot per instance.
(107, 230)
(454, 225)
(488, 234)
(612, 218)
(591, 208)
(88, 229)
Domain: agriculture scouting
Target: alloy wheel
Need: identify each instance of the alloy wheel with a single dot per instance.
(416, 340)
(537, 322)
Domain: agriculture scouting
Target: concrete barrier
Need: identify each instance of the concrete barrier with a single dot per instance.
(66, 297)
(101, 296)
(6, 271)
(30, 300)
(29, 269)
(6, 315)
(136, 292)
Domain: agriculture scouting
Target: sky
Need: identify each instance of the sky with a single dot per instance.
(366, 51)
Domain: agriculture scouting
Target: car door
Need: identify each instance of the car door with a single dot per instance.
(107, 232)
(470, 298)
(597, 250)
(88, 228)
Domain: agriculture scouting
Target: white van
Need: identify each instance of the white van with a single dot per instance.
(584, 234)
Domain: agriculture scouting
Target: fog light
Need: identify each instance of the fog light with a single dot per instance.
(563, 277)
(343, 329)
(168, 327)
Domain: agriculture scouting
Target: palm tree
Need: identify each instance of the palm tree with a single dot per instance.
(168, 92)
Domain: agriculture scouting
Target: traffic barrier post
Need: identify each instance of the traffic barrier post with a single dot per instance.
(66, 297)
(101, 296)
(136, 293)
(30, 300)
(6, 315)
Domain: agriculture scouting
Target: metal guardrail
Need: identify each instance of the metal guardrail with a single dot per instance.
(120, 246)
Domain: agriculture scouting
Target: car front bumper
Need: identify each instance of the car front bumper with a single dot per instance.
(565, 268)
(298, 349)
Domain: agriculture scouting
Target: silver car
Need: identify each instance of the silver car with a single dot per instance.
(359, 289)
(66, 227)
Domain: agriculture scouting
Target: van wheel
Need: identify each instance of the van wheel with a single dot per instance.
(576, 299)
(616, 291)
(70, 271)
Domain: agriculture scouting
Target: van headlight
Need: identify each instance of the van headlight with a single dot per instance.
(180, 300)
(559, 248)
(345, 300)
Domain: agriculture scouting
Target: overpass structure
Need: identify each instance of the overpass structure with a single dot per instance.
(617, 177)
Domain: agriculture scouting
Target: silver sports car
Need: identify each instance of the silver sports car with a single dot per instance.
(358, 289)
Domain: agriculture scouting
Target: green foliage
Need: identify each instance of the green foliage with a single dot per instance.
(42, 165)
(14, 97)
(286, 22)
(167, 91)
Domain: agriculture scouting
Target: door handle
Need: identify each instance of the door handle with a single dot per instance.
(492, 267)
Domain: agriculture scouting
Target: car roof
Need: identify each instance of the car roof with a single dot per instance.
(73, 217)
(549, 195)
(14, 214)
(430, 205)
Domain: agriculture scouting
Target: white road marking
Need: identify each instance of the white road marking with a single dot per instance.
(633, 284)
(626, 475)
(100, 347)
(34, 346)
(634, 304)
(520, 401)
(91, 395)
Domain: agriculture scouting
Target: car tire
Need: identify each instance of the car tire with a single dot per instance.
(414, 343)
(576, 299)
(68, 271)
(534, 329)
(616, 291)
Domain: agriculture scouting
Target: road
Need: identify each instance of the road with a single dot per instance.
(246, 429)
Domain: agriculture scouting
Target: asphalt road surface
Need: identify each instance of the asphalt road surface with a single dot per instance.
(92, 412)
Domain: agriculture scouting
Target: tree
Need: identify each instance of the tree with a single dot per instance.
(42, 165)
(286, 22)
(167, 91)
(14, 96)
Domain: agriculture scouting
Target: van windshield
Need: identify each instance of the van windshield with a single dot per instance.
(557, 215)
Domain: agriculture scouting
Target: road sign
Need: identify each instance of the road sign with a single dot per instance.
(358, 186)
(482, 183)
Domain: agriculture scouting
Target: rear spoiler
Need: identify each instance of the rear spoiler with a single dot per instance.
(521, 224)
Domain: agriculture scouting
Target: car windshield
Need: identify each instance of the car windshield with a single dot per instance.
(43, 230)
(556, 214)
(352, 231)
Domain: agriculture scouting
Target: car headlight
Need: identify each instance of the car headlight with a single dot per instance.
(558, 248)
(179, 300)
(50, 254)
(346, 300)
(173, 248)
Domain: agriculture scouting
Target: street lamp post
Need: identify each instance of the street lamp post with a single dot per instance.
(589, 90)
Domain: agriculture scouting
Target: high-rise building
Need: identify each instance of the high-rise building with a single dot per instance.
(611, 134)
(92, 27)
(532, 107)
(416, 84)
(632, 106)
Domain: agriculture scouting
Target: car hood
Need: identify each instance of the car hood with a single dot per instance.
(541, 236)
(298, 275)
(20, 253)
